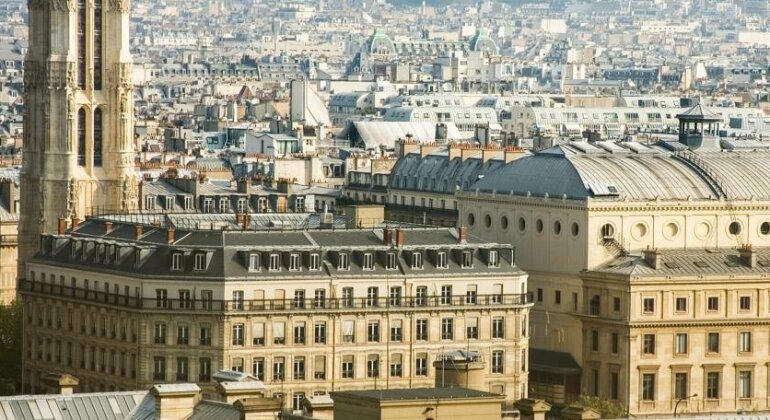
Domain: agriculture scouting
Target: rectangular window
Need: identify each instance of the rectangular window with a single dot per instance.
(205, 335)
(160, 333)
(446, 295)
(744, 384)
(681, 388)
(648, 344)
(368, 261)
(744, 341)
(421, 330)
(299, 333)
(299, 299)
(494, 260)
(614, 385)
(176, 261)
(347, 297)
(207, 298)
(471, 294)
(391, 265)
(472, 328)
(344, 262)
(275, 262)
(497, 361)
(447, 329)
(396, 330)
(744, 303)
(237, 334)
(421, 296)
(373, 366)
(648, 305)
(498, 327)
(681, 304)
(161, 298)
(299, 368)
(319, 367)
(183, 335)
(539, 294)
(373, 332)
(648, 386)
(557, 297)
(421, 364)
(238, 300)
(712, 385)
(319, 300)
(185, 301)
(371, 296)
(258, 333)
(616, 304)
(279, 333)
(204, 369)
(315, 262)
(279, 369)
(712, 342)
(395, 296)
(594, 340)
(417, 261)
(159, 369)
(200, 262)
(713, 303)
(347, 367)
(441, 260)
(181, 369)
(615, 343)
(294, 264)
(348, 331)
(681, 343)
(258, 368)
(319, 333)
(467, 261)
(396, 366)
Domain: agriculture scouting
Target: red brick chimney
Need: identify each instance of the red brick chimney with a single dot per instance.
(462, 234)
(62, 226)
(387, 236)
(75, 222)
(139, 230)
(107, 228)
(170, 235)
(399, 238)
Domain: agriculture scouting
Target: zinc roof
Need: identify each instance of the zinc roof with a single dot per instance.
(102, 406)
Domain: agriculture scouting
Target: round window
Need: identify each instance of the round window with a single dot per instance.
(734, 228)
(764, 228)
(557, 227)
(488, 220)
(608, 231)
(522, 224)
(504, 222)
(539, 225)
(670, 230)
(702, 231)
(640, 231)
(575, 229)
(471, 219)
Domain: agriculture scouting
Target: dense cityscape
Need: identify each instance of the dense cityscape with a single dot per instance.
(384, 209)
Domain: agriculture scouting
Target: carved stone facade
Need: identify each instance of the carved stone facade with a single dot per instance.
(78, 153)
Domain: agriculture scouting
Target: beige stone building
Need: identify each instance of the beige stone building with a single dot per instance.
(79, 122)
(574, 209)
(123, 306)
(9, 242)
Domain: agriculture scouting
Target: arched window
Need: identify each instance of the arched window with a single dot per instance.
(82, 11)
(98, 136)
(97, 56)
(82, 137)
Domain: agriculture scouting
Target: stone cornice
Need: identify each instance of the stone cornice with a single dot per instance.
(748, 322)
(52, 5)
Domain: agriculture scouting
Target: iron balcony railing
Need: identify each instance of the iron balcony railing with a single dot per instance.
(288, 305)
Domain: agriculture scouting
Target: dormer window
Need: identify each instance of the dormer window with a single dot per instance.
(294, 262)
(253, 262)
(275, 262)
(223, 205)
(441, 260)
(169, 202)
(494, 259)
(149, 202)
(368, 261)
(241, 205)
(344, 262)
(417, 261)
(391, 265)
(188, 203)
(176, 261)
(315, 262)
(208, 205)
(467, 261)
(200, 262)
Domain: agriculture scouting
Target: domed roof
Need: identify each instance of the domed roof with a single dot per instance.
(482, 42)
(380, 43)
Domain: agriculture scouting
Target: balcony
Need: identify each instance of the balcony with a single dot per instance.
(311, 305)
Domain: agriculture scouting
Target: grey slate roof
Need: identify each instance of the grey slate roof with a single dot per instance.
(688, 263)
(631, 171)
(102, 406)
(437, 173)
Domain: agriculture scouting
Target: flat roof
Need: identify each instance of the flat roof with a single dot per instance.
(416, 394)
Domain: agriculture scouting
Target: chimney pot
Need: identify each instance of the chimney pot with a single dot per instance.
(462, 234)
(387, 236)
(75, 222)
(107, 228)
(170, 235)
(399, 238)
(653, 258)
(748, 256)
(139, 230)
(62, 226)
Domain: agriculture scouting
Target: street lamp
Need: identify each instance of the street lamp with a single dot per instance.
(680, 400)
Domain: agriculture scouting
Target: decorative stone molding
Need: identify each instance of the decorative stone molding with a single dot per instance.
(121, 6)
(52, 5)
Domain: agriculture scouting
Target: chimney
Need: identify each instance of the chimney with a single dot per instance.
(748, 255)
(653, 258)
(427, 148)
(259, 408)
(139, 231)
(469, 151)
(399, 238)
(75, 222)
(513, 153)
(170, 235)
(175, 401)
(407, 146)
(246, 221)
(489, 152)
(243, 186)
(62, 226)
(441, 133)
(232, 391)
(462, 234)
(63, 384)
(107, 228)
(387, 236)
(455, 150)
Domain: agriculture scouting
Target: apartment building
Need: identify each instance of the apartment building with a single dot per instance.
(124, 306)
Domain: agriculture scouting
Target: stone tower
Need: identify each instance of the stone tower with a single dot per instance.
(78, 126)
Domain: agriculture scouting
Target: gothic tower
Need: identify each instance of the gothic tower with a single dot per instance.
(78, 126)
